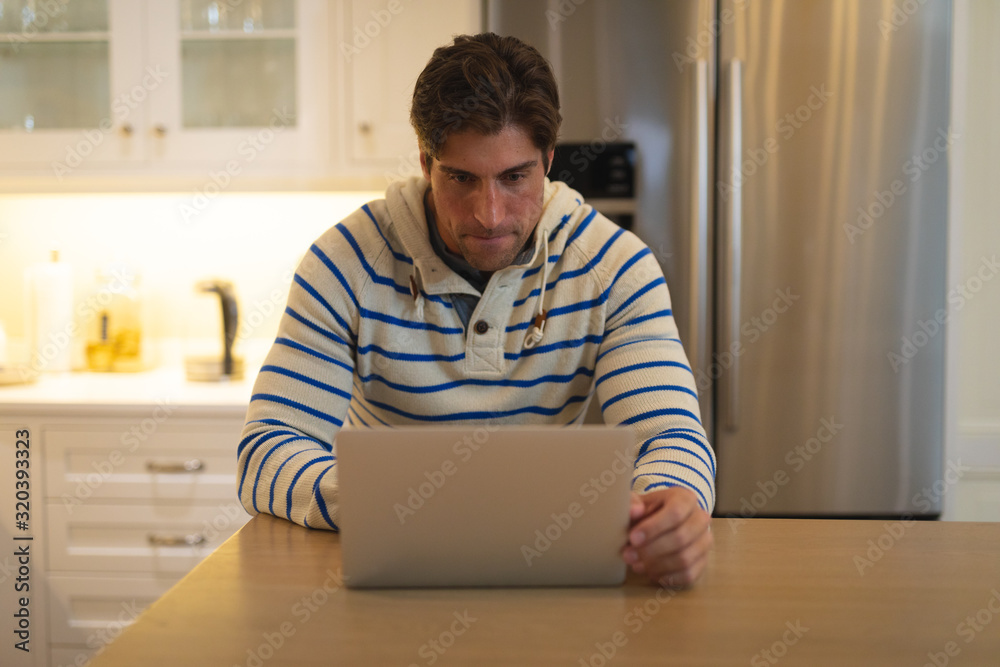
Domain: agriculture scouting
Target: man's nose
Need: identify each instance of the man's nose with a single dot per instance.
(489, 208)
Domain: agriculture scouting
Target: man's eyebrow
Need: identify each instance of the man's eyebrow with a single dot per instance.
(461, 172)
(453, 170)
(520, 167)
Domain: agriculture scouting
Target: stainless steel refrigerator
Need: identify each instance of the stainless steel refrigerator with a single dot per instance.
(792, 179)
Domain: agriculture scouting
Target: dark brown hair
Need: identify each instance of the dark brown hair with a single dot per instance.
(485, 83)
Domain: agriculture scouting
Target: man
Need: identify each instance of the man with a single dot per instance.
(482, 291)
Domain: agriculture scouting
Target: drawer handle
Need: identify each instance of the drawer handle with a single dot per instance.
(193, 465)
(176, 540)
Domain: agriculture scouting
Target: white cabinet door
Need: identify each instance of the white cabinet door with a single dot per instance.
(88, 613)
(384, 45)
(246, 85)
(193, 462)
(151, 539)
(71, 87)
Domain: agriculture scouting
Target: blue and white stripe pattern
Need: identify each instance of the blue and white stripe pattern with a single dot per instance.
(356, 348)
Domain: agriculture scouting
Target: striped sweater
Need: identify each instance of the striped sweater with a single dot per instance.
(370, 337)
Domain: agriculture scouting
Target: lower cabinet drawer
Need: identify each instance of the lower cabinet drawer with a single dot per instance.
(90, 612)
(151, 539)
(84, 464)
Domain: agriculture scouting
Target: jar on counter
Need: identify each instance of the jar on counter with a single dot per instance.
(114, 327)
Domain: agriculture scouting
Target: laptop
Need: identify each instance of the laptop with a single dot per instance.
(484, 505)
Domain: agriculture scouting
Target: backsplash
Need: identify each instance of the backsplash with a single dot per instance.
(253, 240)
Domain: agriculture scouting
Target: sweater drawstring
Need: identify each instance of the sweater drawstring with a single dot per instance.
(418, 298)
(538, 328)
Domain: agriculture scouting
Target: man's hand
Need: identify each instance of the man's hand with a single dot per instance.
(669, 538)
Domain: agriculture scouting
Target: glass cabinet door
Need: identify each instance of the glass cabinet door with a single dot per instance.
(54, 64)
(69, 99)
(234, 90)
(237, 63)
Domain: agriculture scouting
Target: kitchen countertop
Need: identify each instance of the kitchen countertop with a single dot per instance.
(87, 393)
(802, 592)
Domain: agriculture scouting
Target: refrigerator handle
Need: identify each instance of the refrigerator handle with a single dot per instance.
(698, 342)
(731, 210)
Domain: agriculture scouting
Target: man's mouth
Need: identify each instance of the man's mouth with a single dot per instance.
(488, 237)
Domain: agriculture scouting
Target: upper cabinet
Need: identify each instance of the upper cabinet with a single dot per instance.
(56, 79)
(171, 84)
(239, 83)
(152, 94)
(385, 46)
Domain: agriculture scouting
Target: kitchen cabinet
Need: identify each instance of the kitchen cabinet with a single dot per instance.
(211, 95)
(128, 517)
(133, 483)
(385, 45)
(192, 87)
(57, 80)
(240, 84)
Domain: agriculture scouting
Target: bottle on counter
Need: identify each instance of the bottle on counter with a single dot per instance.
(50, 314)
(114, 329)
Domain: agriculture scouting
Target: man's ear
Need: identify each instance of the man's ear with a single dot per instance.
(551, 155)
(425, 164)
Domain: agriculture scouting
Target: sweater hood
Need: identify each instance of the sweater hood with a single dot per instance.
(405, 205)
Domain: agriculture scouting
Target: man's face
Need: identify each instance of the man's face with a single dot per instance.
(486, 194)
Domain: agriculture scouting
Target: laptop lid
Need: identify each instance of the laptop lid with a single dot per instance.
(484, 506)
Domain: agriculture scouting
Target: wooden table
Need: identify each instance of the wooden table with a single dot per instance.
(789, 592)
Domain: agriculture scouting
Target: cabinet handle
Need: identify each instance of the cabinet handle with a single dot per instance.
(192, 540)
(193, 465)
(160, 130)
(127, 129)
(365, 127)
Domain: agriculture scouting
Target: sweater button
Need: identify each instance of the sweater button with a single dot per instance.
(482, 327)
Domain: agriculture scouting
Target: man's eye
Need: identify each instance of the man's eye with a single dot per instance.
(514, 178)
(460, 178)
